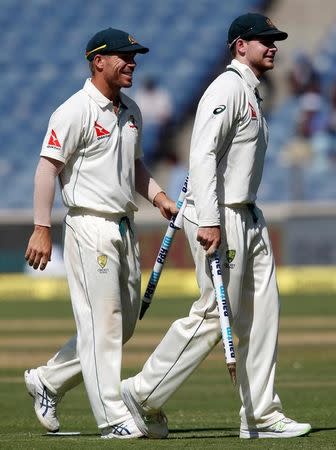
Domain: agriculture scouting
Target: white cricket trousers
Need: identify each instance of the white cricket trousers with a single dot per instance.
(101, 256)
(249, 276)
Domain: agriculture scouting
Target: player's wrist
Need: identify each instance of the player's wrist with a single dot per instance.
(158, 198)
(40, 227)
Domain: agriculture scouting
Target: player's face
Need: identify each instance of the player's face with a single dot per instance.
(259, 54)
(118, 69)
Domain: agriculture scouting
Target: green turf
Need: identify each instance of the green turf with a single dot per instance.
(290, 305)
(204, 412)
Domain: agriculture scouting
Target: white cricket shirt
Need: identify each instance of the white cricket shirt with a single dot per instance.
(98, 148)
(228, 145)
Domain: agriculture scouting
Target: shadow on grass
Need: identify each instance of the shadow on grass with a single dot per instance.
(187, 433)
(188, 430)
(317, 430)
(71, 435)
(229, 432)
(198, 433)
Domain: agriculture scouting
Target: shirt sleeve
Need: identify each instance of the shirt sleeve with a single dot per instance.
(64, 133)
(138, 145)
(216, 119)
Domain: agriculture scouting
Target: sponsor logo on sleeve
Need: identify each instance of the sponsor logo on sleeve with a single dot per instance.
(219, 109)
(53, 141)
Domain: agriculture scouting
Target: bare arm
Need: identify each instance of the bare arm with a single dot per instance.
(146, 186)
(39, 247)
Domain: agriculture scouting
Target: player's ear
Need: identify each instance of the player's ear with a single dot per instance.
(98, 62)
(241, 47)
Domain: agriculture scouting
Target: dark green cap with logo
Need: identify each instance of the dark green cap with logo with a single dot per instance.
(252, 25)
(112, 40)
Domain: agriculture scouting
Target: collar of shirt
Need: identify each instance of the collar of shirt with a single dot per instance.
(246, 73)
(99, 98)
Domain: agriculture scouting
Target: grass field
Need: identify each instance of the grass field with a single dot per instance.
(204, 412)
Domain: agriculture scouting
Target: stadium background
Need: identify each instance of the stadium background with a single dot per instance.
(43, 63)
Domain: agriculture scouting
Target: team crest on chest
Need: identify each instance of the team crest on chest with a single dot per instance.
(102, 261)
(252, 112)
(101, 133)
(132, 122)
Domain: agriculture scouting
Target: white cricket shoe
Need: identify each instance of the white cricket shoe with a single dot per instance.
(283, 428)
(45, 402)
(151, 424)
(123, 430)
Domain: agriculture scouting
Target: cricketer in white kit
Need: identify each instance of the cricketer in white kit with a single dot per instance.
(93, 143)
(227, 153)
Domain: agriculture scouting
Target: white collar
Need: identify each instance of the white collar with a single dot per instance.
(246, 72)
(99, 98)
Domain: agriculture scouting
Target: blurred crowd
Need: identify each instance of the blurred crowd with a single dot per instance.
(156, 105)
(314, 145)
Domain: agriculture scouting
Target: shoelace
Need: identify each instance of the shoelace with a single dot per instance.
(120, 430)
(280, 425)
(48, 401)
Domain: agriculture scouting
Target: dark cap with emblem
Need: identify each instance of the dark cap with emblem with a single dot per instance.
(253, 25)
(112, 40)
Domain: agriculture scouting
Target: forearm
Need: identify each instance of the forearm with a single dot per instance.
(145, 185)
(44, 190)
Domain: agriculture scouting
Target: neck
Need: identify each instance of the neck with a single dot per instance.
(256, 72)
(112, 93)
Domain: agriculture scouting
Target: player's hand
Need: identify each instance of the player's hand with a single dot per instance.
(39, 247)
(166, 206)
(209, 238)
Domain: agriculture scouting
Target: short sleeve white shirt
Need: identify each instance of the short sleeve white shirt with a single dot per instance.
(98, 148)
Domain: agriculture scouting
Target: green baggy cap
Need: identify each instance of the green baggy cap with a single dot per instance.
(253, 25)
(112, 40)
